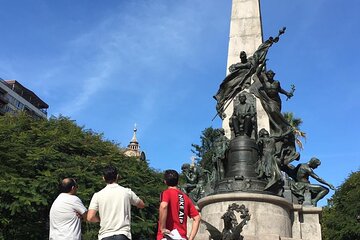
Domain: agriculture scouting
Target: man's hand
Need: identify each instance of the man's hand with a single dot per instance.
(81, 216)
(78, 214)
(165, 231)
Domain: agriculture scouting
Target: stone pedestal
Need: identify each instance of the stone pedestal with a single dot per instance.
(307, 222)
(272, 217)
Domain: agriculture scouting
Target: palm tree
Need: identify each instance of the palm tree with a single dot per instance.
(295, 124)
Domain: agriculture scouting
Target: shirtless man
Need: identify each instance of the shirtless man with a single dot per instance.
(302, 173)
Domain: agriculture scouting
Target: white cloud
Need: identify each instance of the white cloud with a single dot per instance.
(126, 48)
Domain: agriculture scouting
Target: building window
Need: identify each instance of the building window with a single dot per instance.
(19, 105)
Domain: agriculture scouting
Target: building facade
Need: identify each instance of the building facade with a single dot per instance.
(15, 97)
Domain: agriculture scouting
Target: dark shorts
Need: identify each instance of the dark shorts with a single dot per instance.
(116, 237)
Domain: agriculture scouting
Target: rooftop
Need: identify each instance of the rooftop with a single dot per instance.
(27, 94)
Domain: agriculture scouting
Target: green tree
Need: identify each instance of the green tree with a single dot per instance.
(295, 123)
(205, 150)
(36, 154)
(340, 218)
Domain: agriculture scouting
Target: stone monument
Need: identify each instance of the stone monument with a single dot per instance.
(245, 36)
(255, 149)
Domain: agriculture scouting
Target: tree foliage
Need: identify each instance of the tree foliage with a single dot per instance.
(340, 220)
(295, 123)
(36, 154)
(205, 150)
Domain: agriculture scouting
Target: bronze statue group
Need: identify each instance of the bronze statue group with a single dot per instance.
(249, 82)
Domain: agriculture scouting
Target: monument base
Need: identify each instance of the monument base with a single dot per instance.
(239, 167)
(240, 184)
(271, 217)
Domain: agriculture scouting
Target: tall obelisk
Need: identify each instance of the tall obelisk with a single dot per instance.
(245, 35)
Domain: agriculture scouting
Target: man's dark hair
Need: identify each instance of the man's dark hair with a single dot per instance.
(110, 173)
(67, 184)
(171, 177)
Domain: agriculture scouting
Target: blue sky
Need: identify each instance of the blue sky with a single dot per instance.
(110, 64)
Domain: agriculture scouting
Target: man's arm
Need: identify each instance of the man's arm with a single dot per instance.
(286, 93)
(259, 73)
(80, 209)
(140, 204)
(92, 217)
(320, 180)
(135, 200)
(237, 66)
(195, 227)
(82, 216)
(259, 70)
(162, 217)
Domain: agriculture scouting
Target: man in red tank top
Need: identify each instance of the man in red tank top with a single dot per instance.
(175, 208)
